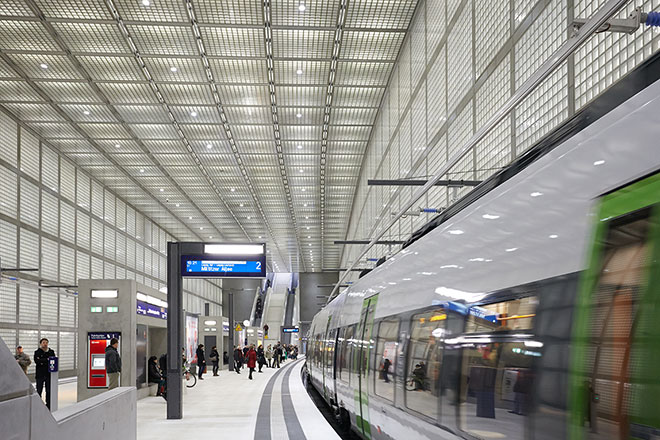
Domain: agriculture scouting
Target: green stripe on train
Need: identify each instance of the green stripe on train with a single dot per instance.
(645, 386)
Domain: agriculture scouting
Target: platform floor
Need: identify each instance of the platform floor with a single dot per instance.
(273, 406)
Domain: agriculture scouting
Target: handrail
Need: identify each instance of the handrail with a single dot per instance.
(539, 75)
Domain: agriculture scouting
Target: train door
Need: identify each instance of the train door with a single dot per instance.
(326, 358)
(364, 346)
(616, 346)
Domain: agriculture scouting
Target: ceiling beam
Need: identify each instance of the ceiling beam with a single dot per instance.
(412, 182)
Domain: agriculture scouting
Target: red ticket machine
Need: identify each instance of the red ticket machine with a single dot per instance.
(96, 344)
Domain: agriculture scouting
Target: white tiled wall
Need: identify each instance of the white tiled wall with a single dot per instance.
(58, 219)
(460, 62)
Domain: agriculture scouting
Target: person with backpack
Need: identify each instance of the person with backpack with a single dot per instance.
(215, 359)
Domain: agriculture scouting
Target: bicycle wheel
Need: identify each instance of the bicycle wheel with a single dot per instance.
(191, 380)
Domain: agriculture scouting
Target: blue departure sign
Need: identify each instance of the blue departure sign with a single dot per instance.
(245, 267)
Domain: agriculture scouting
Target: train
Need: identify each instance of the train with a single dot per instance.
(529, 309)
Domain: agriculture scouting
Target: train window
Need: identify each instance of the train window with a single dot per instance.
(620, 387)
(344, 357)
(496, 387)
(425, 362)
(508, 315)
(386, 353)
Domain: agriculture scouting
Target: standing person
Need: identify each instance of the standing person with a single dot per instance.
(245, 352)
(386, 370)
(42, 375)
(261, 357)
(23, 359)
(201, 361)
(238, 356)
(277, 355)
(251, 360)
(215, 358)
(269, 355)
(112, 363)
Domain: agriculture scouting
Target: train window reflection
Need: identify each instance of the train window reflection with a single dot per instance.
(344, 355)
(508, 315)
(496, 389)
(386, 352)
(425, 362)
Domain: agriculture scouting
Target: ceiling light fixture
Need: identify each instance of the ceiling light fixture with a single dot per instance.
(300, 147)
(241, 205)
(193, 114)
(117, 146)
(299, 71)
(162, 189)
(209, 146)
(201, 228)
(232, 189)
(298, 115)
(301, 170)
(303, 190)
(146, 2)
(86, 112)
(553, 236)
(173, 69)
(456, 232)
(599, 162)
(248, 217)
(177, 205)
(190, 218)
(512, 249)
(43, 65)
(490, 216)
(305, 205)
(536, 194)
(142, 170)
(302, 7)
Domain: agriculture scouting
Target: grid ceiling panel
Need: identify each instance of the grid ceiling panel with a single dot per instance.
(34, 112)
(88, 113)
(384, 14)
(15, 8)
(108, 68)
(363, 74)
(302, 43)
(245, 12)
(163, 40)
(188, 94)
(318, 13)
(166, 11)
(143, 114)
(361, 45)
(239, 71)
(313, 72)
(25, 35)
(59, 67)
(91, 37)
(70, 92)
(233, 42)
(188, 69)
(18, 91)
(135, 93)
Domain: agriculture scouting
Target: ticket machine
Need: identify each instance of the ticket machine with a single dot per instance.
(96, 345)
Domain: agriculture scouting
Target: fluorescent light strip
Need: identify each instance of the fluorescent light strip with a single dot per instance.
(234, 249)
(104, 294)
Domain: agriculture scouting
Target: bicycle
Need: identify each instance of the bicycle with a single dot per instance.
(191, 379)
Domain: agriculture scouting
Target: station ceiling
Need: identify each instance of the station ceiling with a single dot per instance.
(236, 120)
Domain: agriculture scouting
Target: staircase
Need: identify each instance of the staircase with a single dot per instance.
(275, 306)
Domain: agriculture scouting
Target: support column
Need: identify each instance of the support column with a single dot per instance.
(174, 332)
(230, 317)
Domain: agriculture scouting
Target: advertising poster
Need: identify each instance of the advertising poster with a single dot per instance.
(191, 337)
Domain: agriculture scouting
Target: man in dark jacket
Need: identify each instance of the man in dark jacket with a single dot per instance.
(201, 361)
(238, 359)
(42, 375)
(112, 363)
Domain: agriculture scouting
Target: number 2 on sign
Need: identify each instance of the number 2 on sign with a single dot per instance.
(258, 265)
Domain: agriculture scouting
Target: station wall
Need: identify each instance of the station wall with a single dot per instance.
(62, 221)
(460, 61)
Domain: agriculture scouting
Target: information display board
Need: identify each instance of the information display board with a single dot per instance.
(253, 266)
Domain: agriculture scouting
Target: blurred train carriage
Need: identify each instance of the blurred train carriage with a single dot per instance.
(532, 311)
